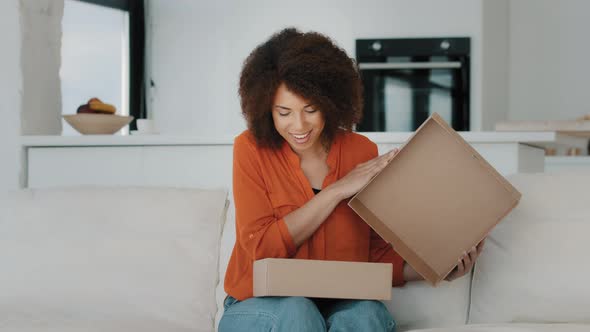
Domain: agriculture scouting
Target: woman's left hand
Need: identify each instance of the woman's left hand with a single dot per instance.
(466, 262)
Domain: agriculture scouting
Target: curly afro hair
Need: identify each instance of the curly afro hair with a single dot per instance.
(312, 66)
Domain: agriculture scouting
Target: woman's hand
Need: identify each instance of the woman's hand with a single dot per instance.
(356, 179)
(304, 221)
(466, 262)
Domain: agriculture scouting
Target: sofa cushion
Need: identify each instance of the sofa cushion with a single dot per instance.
(512, 327)
(534, 267)
(110, 258)
(419, 305)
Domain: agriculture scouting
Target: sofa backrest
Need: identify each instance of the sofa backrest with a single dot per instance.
(535, 265)
(228, 239)
(418, 305)
(116, 259)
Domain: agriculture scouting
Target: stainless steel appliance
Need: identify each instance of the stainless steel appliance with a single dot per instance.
(406, 80)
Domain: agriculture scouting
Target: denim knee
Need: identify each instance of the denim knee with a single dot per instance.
(360, 315)
(301, 314)
(272, 314)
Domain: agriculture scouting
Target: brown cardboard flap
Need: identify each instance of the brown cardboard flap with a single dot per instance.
(401, 248)
(436, 199)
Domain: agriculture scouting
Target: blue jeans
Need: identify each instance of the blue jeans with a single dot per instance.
(280, 314)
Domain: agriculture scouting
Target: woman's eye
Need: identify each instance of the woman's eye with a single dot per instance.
(284, 114)
(311, 111)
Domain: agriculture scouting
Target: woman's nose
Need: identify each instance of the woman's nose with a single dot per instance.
(299, 121)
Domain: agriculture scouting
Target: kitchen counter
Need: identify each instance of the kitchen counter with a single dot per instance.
(540, 139)
(579, 128)
(207, 162)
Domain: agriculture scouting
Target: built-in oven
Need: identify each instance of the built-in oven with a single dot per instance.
(406, 80)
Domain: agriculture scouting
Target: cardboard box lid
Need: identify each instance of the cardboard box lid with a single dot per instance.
(436, 199)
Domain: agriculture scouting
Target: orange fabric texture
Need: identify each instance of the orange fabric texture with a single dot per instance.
(269, 184)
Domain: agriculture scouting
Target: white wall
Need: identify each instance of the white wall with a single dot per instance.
(549, 54)
(40, 59)
(495, 63)
(196, 48)
(10, 93)
(30, 100)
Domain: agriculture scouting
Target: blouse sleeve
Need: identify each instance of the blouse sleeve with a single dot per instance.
(258, 231)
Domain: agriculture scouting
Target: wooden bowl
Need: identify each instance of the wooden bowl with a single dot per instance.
(97, 124)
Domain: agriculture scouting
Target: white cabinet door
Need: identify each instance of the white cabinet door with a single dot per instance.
(205, 166)
(67, 166)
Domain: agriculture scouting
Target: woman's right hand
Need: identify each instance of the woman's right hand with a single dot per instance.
(356, 179)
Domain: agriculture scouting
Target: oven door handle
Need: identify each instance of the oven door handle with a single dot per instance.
(408, 65)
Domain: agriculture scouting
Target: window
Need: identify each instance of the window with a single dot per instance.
(102, 56)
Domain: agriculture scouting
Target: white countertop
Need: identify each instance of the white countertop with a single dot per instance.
(531, 138)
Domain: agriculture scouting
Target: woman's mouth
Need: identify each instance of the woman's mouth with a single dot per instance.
(302, 138)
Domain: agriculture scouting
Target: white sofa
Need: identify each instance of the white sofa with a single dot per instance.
(153, 259)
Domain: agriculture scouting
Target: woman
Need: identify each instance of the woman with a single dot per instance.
(293, 170)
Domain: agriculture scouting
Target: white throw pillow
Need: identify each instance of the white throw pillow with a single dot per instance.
(512, 327)
(418, 305)
(535, 265)
(110, 258)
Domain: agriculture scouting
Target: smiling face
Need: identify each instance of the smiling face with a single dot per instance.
(297, 121)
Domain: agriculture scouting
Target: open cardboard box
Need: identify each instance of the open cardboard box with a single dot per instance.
(436, 199)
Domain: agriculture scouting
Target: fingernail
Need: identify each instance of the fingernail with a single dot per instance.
(473, 248)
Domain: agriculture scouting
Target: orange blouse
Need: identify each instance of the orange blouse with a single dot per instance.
(269, 184)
